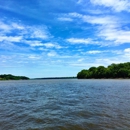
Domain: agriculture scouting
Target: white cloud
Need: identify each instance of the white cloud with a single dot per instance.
(52, 54)
(85, 65)
(79, 41)
(36, 44)
(52, 45)
(117, 5)
(17, 26)
(65, 19)
(94, 52)
(117, 52)
(38, 33)
(42, 49)
(12, 32)
(127, 50)
(13, 47)
(81, 59)
(96, 11)
(34, 57)
(107, 61)
(114, 34)
(49, 45)
(109, 28)
(127, 53)
(102, 20)
(33, 43)
(10, 38)
(24, 30)
(4, 27)
(74, 14)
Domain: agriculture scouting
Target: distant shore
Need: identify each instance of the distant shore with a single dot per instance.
(12, 77)
(57, 78)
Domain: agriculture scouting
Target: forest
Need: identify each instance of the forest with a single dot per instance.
(12, 77)
(121, 70)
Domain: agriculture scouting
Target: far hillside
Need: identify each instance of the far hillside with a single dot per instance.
(12, 77)
(121, 70)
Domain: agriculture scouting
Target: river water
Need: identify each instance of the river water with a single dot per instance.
(65, 104)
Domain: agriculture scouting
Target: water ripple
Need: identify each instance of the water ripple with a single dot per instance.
(65, 105)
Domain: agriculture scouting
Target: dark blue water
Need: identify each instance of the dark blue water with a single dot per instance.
(65, 105)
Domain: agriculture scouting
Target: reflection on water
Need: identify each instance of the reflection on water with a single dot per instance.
(65, 105)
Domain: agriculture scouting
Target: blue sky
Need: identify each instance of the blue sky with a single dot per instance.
(53, 38)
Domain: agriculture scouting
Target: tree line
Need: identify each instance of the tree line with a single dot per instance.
(12, 77)
(121, 70)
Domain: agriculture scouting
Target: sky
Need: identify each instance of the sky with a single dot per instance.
(59, 38)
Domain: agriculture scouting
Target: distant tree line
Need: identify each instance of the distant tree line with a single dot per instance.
(121, 70)
(57, 78)
(12, 77)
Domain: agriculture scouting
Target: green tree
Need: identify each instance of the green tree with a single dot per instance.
(121, 70)
(101, 72)
(93, 72)
(12, 77)
(82, 74)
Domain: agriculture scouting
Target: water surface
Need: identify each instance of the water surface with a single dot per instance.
(68, 104)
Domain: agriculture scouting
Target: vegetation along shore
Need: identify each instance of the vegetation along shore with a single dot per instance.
(12, 77)
(121, 70)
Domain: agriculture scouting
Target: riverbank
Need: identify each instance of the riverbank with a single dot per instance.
(12, 77)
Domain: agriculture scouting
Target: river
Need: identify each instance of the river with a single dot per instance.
(65, 104)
